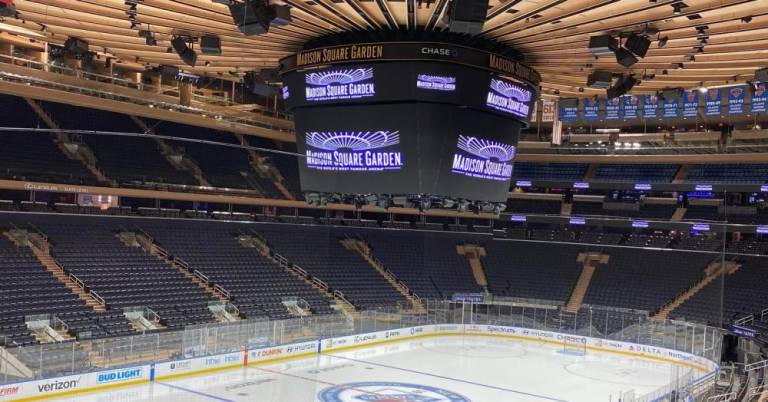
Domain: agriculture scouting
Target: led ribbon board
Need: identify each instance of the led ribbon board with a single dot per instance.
(436, 82)
(362, 151)
(353, 83)
(508, 97)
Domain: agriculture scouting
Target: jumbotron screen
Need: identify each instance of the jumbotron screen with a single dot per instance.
(409, 81)
(406, 148)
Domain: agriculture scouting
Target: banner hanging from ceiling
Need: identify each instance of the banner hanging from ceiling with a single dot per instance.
(569, 113)
(713, 102)
(613, 109)
(650, 106)
(591, 109)
(548, 110)
(631, 107)
(672, 108)
(759, 98)
(736, 97)
(691, 103)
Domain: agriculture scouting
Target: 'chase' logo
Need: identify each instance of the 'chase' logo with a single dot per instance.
(119, 375)
(375, 391)
(439, 51)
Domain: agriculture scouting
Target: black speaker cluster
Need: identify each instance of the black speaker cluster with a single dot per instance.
(622, 86)
(254, 17)
(466, 16)
(634, 47)
(185, 52)
(7, 9)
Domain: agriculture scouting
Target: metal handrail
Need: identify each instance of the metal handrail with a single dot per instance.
(98, 298)
(221, 290)
(201, 276)
(756, 366)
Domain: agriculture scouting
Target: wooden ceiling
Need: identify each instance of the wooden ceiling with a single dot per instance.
(553, 34)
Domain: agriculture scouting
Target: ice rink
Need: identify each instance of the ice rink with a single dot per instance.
(444, 369)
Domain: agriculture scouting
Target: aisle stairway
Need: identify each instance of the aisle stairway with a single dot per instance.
(343, 304)
(712, 272)
(589, 263)
(183, 162)
(148, 244)
(81, 153)
(473, 253)
(361, 247)
(41, 249)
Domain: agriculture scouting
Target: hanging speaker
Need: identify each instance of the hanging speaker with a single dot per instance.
(186, 54)
(637, 44)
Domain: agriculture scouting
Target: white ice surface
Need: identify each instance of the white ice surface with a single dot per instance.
(476, 369)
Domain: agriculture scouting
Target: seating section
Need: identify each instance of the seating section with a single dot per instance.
(257, 284)
(126, 158)
(636, 173)
(705, 213)
(643, 279)
(728, 174)
(532, 270)
(745, 294)
(28, 288)
(543, 207)
(35, 156)
(647, 211)
(222, 166)
(319, 252)
(427, 262)
(22, 275)
(125, 276)
(549, 171)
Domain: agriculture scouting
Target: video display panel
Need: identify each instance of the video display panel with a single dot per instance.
(411, 148)
(339, 84)
(509, 97)
(406, 82)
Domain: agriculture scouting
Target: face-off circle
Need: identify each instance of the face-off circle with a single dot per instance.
(378, 391)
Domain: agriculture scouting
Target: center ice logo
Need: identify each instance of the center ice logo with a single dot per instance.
(388, 392)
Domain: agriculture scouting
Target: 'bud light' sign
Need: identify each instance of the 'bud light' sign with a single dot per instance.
(362, 151)
(485, 159)
(352, 83)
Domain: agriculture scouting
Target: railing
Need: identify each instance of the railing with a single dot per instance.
(178, 261)
(149, 88)
(763, 364)
(201, 276)
(209, 339)
(77, 280)
(98, 298)
(224, 292)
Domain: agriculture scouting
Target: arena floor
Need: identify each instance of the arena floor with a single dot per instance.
(448, 369)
